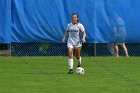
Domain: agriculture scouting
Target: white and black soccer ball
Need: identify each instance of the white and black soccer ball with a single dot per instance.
(80, 70)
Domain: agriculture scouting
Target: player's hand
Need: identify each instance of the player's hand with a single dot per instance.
(83, 40)
(63, 39)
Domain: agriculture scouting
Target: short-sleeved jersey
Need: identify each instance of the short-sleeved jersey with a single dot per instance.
(74, 32)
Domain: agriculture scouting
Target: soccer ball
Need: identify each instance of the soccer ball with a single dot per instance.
(80, 70)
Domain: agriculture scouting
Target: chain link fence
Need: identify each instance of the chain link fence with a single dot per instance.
(60, 49)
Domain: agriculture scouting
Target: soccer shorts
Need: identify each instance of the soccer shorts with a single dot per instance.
(69, 45)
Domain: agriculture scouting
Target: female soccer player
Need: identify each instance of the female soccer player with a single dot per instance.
(74, 42)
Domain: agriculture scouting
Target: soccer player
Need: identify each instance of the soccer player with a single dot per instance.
(74, 41)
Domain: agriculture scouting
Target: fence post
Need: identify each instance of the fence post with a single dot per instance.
(94, 49)
(10, 50)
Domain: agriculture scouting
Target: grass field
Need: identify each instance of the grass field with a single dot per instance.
(49, 75)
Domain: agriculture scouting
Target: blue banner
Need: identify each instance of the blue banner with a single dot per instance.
(105, 21)
(5, 21)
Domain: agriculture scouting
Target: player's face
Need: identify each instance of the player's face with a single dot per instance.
(74, 19)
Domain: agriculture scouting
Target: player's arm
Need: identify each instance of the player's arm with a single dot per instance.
(84, 33)
(64, 37)
(84, 37)
(66, 33)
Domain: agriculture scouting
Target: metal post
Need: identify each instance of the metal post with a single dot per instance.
(94, 49)
(10, 50)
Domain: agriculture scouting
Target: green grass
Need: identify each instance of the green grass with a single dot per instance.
(49, 75)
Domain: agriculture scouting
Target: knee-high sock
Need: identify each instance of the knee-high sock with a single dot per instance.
(79, 61)
(70, 63)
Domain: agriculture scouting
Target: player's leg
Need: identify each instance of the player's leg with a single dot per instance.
(125, 50)
(70, 60)
(78, 57)
(110, 47)
(116, 50)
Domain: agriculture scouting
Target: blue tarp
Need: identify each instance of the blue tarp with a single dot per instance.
(5, 21)
(46, 20)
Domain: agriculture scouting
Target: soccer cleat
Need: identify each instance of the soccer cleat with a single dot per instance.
(78, 65)
(70, 71)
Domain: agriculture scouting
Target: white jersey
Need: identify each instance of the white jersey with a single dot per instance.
(74, 33)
